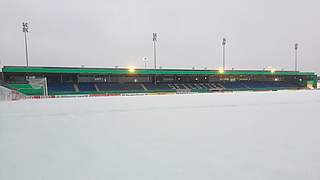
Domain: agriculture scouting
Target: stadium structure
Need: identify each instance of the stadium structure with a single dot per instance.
(59, 81)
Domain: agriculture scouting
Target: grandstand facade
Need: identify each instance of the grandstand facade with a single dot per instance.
(95, 81)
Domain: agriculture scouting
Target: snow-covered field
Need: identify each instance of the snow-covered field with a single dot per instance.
(266, 135)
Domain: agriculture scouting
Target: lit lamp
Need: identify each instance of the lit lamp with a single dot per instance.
(272, 70)
(221, 70)
(131, 69)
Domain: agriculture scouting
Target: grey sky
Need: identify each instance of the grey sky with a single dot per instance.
(259, 33)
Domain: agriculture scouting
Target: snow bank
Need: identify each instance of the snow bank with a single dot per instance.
(262, 135)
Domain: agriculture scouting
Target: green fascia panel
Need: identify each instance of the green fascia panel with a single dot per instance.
(110, 92)
(145, 71)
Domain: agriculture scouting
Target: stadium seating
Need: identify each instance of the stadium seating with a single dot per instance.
(60, 87)
(271, 85)
(234, 85)
(159, 86)
(119, 87)
(56, 88)
(87, 87)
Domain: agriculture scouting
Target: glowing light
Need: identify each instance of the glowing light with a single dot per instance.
(131, 69)
(272, 70)
(221, 70)
(276, 79)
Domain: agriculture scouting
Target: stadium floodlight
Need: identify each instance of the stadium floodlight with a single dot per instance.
(224, 42)
(155, 39)
(145, 60)
(25, 30)
(273, 70)
(221, 70)
(296, 56)
(131, 69)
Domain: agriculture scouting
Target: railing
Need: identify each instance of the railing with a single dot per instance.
(9, 94)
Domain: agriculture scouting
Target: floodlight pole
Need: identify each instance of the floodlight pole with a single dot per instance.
(154, 39)
(224, 41)
(145, 60)
(296, 57)
(45, 87)
(25, 29)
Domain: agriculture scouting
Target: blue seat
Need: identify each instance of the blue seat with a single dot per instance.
(119, 87)
(233, 85)
(87, 87)
(58, 87)
(159, 86)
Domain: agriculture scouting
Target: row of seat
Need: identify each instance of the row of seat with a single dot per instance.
(119, 87)
(82, 87)
(196, 86)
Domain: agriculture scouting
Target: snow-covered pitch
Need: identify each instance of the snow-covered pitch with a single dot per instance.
(245, 135)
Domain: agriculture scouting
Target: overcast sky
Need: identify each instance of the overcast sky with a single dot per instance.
(110, 33)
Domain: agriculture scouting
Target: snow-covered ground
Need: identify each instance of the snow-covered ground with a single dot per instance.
(266, 135)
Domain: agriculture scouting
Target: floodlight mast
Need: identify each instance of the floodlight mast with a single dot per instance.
(25, 29)
(224, 42)
(154, 39)
(296, 56)
(145, 60)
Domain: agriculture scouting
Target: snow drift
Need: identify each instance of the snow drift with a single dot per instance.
(245, 135)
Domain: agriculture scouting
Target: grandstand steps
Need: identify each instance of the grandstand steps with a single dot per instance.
(213, 85)
(209, 85)
(179, 86)
(189, 87)
(76, 88)
(192, 87)
(220, 86)
(185, 86)
(197, 86)
(204, 86)
(175, 86)
(144, 87)
(97, 88)
(245, 85)
(172, 86)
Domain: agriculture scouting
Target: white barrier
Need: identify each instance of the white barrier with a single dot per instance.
(9, 95)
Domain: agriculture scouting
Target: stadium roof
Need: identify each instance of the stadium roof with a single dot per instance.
(74, 70)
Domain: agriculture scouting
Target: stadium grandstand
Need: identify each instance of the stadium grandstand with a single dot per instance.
(102, 81)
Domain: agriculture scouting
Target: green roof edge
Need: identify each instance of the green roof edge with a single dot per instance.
(70, 70)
